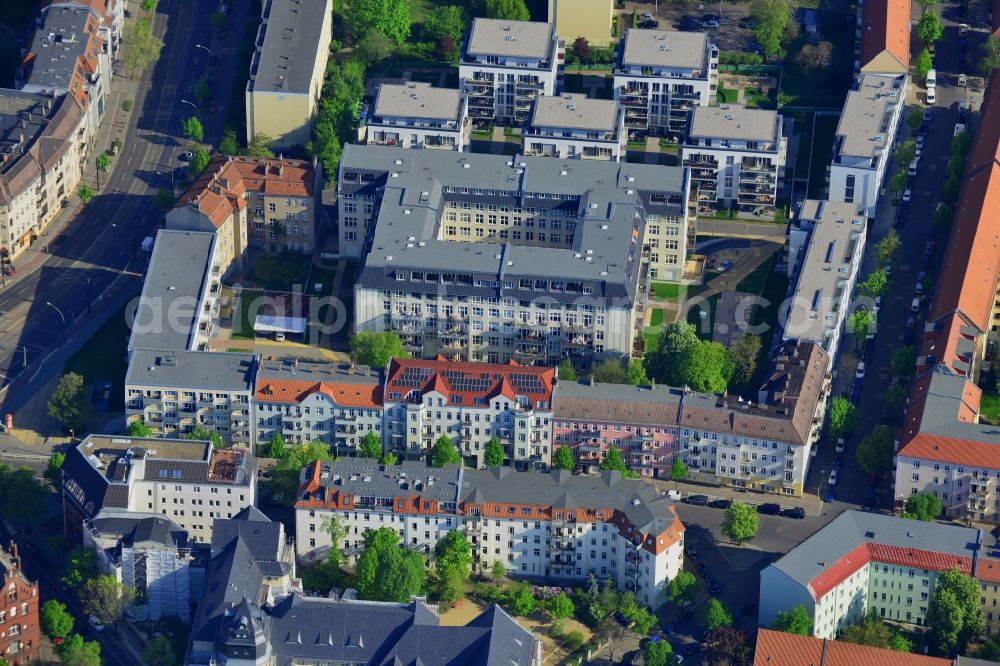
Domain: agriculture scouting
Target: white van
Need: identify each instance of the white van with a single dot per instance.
(931, 78)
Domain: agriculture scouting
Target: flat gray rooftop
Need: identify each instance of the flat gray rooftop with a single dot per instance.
(57, 45)
(863, 127)
(367, 478)
(291, 43)
(665, 48)
(515, 39)
(572, 111)
(111, 447)
(178, 269)
(220, 371)
(732, 121)
(418, 100)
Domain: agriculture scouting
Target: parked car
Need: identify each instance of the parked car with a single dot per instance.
(829, 495)
(769, 509)
(911, 171)
(720, 503)
(918, 289)
(915, 304)
(833, 477)
(928, 116)
(860, 372)
(725, 266)
(840, 445)
(710, 21)
(697, 500)
(963, 80)
(920, 141)
(649, 25)
(907, 194)
(931, 95)
(692, 552)
(959, 128)
(186, 156)
(910, 323)
(796, 512)
(836, 462)
(963, 30)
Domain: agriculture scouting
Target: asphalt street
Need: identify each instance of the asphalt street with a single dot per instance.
(90, 261)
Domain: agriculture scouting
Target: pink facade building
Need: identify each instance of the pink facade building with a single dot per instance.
(641, 422)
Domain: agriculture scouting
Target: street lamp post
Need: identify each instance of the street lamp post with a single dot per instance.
(201, 46)
(195, 106)
(49, 303)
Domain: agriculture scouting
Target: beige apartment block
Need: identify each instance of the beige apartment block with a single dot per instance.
(286, 73)
(590, 19)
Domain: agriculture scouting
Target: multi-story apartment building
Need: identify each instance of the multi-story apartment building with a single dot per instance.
(20, 629)
(590, 19)
(736, 156)
(552, 525)
(177, 309)
(779, 648)
(257, 202)
(287, 69)
(417, 115)
(864, 139)
(660, 76)
(641, 422)
(764, 445)
(148, 552)
(943, 448)
(573, 126)
(110, 14)
(827, 241)
(188, 481)
(43, 144)
(505, 65)
(470, 403)
(488, 258)
(306, 401)
(865, 562)
(882, 37)
(176, 392)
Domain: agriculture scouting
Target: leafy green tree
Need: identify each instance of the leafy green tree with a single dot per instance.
(924, 62)
(659, 653)
(68, 402)
(453, 559)
(22, 497)
(675, 340)
(744, 356)
(198, 162)
(682, 587)
(163, 198)
(929, 27)
(813, 57)
(727, 646)
(107, 598)
(794, 621)
(444, 453)
(138, 429)
(55, 620)
(771, 18)
(276, 448)
(923, 506)
(903, 361)
(514, 10)
(192, 129)
(498, 570)
(740, 522)
(961, 144)
(640, 620)
(990, 58)
(229, 144)
(388, 17)
(204, 434)
(894, 400)
(375, 349)
(716, 615)
(842, 417)
(887, 249)
(706, 367)
(202, 91)
(875, 451)
(560, 607)
(148, 5)
(81, 566)
(563, 459)
(871, 630)
(942, 217)
(637, 373)
(386, 572)
(914, 118)
(388, 458)
(494, 453)
(875, 284)
(103, 163)
(370, 447)
(74, 651)
(375, 48)
(159, 651)
(613, 461)
(140, 45)
(860, 323)
(285, 475)
(610, 371)
(53, 471)
(953, 614)
(897, 183)
(522, 601)
(446, 21)
(260, 146)
(566, 371)
(678, 470)
(989, 650)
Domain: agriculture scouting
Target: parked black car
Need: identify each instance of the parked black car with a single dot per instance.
(697, 500)
(769, 509)
(720, 503)
(796, 512)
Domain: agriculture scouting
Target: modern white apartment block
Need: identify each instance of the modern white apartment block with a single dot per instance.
(306, 401)
(149, 552)
(187, 481)
(176, 392)
(864, 562)
(547, 525)
(488, 258)
(827, 241)
(864, 139)
(505, 65)
(736, 156)
(470, 403)
(763, 445)
(417, 115)
(660, 76)
(572, 126)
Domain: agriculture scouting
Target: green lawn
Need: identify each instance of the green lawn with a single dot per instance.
(652, 338)
(724, 95)
(281, 272)
(989, 407)
(703, 327)
(757, 99)
(245, 322)
(669, 291)
(103, 358)
(656, 317)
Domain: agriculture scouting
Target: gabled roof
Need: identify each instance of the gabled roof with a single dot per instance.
(885, 30)
(777, 648)
(469, 384)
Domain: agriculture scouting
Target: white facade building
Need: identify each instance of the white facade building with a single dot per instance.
(505, 65)
(864, 140)
(573, 126)
(416, 115)
(554, 526)
(736, 156)
(660, 76)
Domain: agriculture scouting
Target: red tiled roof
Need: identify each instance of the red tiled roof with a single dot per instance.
(839, 570)
(465, 383)
(776, 648)
(952, 450)
(988, 570)
(886, 28)
(295, 391)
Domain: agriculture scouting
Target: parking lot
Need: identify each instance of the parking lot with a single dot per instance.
(731, 31)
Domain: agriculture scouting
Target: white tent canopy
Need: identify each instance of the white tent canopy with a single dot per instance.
(273, 324)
